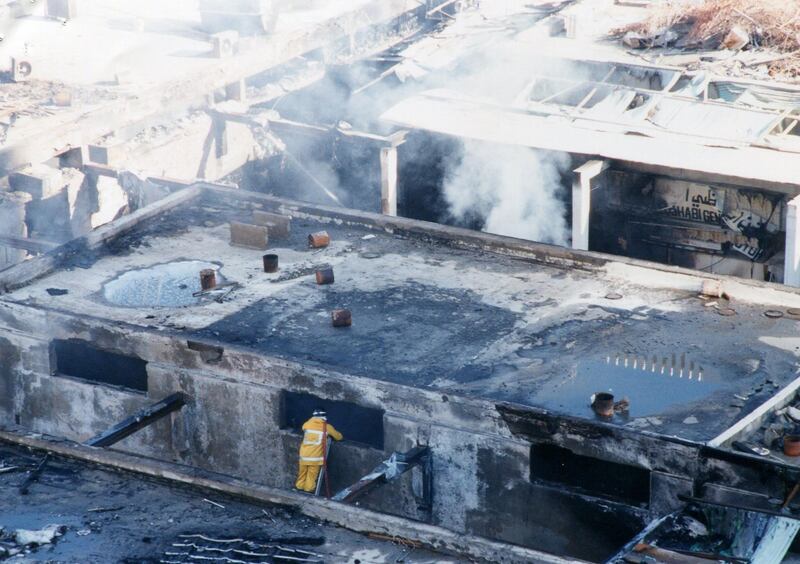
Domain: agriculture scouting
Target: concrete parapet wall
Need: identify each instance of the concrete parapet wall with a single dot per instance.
(232, 426)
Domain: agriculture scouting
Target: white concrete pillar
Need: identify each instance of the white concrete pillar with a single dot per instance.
(791, 266)
(12, 222)
(389, 180)
(582, 201)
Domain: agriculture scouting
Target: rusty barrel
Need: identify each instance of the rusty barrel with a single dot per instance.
(342, 318)
(325, 276)
(270, 263)
(319, 240)
(208, 279)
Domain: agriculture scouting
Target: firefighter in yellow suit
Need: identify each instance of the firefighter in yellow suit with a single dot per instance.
(312, 450)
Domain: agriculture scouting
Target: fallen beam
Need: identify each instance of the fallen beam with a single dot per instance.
(439, 8)
(388, 470)
(34, 474)
(766, 511)
(30, 245)
(123, 429)
(138, 421)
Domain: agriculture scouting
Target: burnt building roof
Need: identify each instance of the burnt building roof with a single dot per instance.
(437, 308)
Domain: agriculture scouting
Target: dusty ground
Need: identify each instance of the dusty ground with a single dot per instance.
(115, 517)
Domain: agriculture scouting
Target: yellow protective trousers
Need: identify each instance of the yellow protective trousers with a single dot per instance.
(307, 477)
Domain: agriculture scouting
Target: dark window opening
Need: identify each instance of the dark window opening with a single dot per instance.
(361, 425)
(78, 359)
(557, 465)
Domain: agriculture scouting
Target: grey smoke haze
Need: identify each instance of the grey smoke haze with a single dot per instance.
(514, 188)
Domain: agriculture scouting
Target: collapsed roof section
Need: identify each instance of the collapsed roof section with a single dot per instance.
(658, 117)
(654, 100)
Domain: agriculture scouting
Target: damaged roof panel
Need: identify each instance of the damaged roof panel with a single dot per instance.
(442, 112)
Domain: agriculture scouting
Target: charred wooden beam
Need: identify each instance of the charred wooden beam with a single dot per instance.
(34, 475)
(30, 245)
(123, 429)
(388, 470)
(282, 125)
(138, 421)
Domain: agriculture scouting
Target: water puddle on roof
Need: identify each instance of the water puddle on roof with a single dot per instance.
(652, 385)
(165, 285)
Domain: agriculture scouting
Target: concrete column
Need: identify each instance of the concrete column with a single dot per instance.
(791, 267)
(12, 222)
(220, 128)
(582, 201)
(389, 180)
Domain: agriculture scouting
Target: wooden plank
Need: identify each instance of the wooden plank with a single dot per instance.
(639, 538)
(662, 555)
(777, 539)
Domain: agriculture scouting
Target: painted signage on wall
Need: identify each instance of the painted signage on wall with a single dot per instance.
(694, 202)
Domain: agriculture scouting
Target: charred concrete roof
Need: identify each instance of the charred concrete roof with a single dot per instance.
(438, 308)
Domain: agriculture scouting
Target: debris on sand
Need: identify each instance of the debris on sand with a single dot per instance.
(47, 535)
(723, 24)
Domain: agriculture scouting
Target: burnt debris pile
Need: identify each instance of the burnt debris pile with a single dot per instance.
(199, 547)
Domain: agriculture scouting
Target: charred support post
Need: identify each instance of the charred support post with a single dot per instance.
(388, 470)
(138, 421)
(582, 201)
(220, 130)
(791, 268)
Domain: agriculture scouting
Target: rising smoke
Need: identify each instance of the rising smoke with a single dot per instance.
(515, 190)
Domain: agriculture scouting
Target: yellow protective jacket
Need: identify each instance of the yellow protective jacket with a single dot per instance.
(311, 450)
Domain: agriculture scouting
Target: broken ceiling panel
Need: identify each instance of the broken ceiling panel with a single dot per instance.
(711, 120)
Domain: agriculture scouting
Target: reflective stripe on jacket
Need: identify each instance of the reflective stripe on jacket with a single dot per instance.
(311, 449)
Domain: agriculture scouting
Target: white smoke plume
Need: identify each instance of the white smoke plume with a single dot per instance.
(517, 191)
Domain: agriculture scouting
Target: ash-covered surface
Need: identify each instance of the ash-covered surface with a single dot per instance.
(377, 343)
(103, 516)
(461, 322)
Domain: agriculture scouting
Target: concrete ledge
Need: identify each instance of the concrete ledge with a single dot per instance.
(647, 274)
(39, 181)
(346, 516)
(279, 225)
(249, 236)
